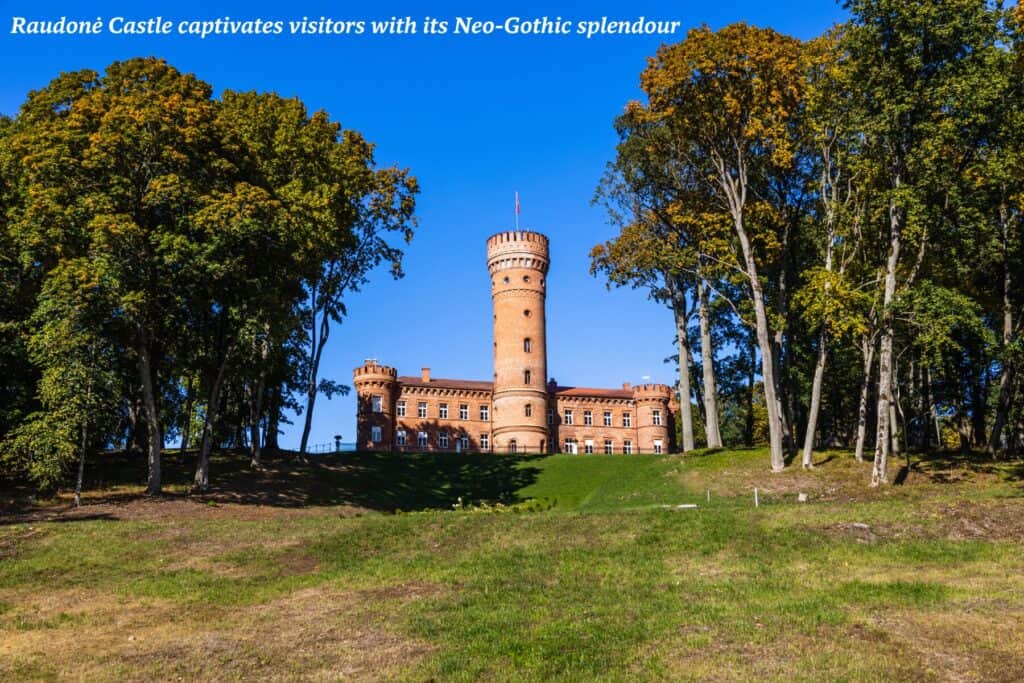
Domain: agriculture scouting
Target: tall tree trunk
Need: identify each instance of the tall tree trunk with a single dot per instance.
(256, 404)
(883, 442)
(1006, 383)
(812, 415)
(81, 466)
(748, 427)
(271, 428)
(707, 358)
(685, 391)
(202, 476)
(318, 338)
(154, 434)
(868, 352)
(186, 428)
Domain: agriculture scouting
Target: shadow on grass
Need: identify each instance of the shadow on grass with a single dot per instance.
(375, 481)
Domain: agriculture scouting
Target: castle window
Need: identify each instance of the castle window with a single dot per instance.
(421, 439)
(526, 345)
(567, 419)
(627, 447)
(656, 417)
(375, 435)
(463, 411)
(513, 446)
(400, 437)
(506, 280)
(485, 441)
(529, 410)
(608, 447)
(657, 447)
(551, 416)
(485, 413)
(464, 443)
(570, 446)
(588, 417)
(421, 409)
(607, 418)
(588, 446)
(526, 278)
(627, 420)
(377, 404)
(527, 376)
(527, 312)
(401, 409)
(442, 439)
(442, 412)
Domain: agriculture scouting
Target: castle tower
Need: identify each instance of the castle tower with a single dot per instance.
(376, 388)
(518, 264)
(654, 418)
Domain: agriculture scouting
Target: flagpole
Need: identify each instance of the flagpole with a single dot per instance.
(517, 211)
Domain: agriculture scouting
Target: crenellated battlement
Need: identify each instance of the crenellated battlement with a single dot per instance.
(652, 392)
(517, 249)
(374, 371)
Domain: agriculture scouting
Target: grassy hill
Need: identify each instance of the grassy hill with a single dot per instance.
(369, 567)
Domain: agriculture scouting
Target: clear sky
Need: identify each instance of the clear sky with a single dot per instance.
(475, 118)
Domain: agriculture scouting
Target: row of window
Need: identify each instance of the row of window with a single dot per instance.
(572, 446)
(485, 413)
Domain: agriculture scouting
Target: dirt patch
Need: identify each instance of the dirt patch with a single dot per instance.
(312, 634)
(961, 521)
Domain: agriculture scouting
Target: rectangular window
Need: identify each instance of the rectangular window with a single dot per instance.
(627, 446)
(485, 442)
(421, 439)
(656, 417)
(570, 446)
(442, 440)
(421, 409)
(464, 442)
(527, 345)
(377, 403)
(607, 418)
(609, 448)
(568, 417)
(527, 377)
(400, 437)
(657, 447)
(551, 416)
(588, 446)
(485, 414)
(375, 434)
(529, 410)
(627, 420)
(588, 417)
(463, 411)
(401, 409)
(442, 412)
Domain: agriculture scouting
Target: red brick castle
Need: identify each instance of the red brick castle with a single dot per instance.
(519, 412)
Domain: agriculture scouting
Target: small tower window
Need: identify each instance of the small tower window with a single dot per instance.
(656, 417)
(506, 280)
(375, 434)
(527, 312)
(527, 377)
(377, 403)
(527, 346)
(513, 446)
(526, 278)
(529, 410)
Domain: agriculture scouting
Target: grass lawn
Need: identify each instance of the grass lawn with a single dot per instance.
(368, 567)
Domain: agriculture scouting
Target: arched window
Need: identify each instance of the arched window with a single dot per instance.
(529, 410)
(527, 377)
(512, 446)
(527, 346)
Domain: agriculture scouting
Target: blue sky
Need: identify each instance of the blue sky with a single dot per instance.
(475, 118)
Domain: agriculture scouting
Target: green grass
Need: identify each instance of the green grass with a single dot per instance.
(604, 582)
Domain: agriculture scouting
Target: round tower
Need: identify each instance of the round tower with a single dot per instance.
(376, 388)
(654, 418)
(518, 264)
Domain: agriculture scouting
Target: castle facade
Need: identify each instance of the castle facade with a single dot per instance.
(520, 411)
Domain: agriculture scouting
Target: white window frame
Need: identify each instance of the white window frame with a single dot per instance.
(627, 447)
(377, 404)
(607, 418)
(567, 417)
(442, 411)
(463, 411)
(400, 437)
(422, 440)
(442, 440)
(485, 441)
(588, 418)
(376, 434)
(485, 414)
(609, 446)
(464, 442)
(627, 419)
(400, 408)
(656, 418)
(658, 448)
(571, 446)
(588, 446)
(421, 410)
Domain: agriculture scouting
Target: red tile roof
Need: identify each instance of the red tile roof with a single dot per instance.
(596, 393)
(440, 383)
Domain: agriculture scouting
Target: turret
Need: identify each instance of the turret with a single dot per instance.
(518, 264)
(654, 417)
(376, 389)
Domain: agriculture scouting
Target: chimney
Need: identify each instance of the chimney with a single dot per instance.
(626, 386)
(425, 374)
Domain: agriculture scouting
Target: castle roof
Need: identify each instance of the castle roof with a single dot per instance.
(441, 383)
(585, 392)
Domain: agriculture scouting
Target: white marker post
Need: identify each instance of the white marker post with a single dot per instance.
(756, 502)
